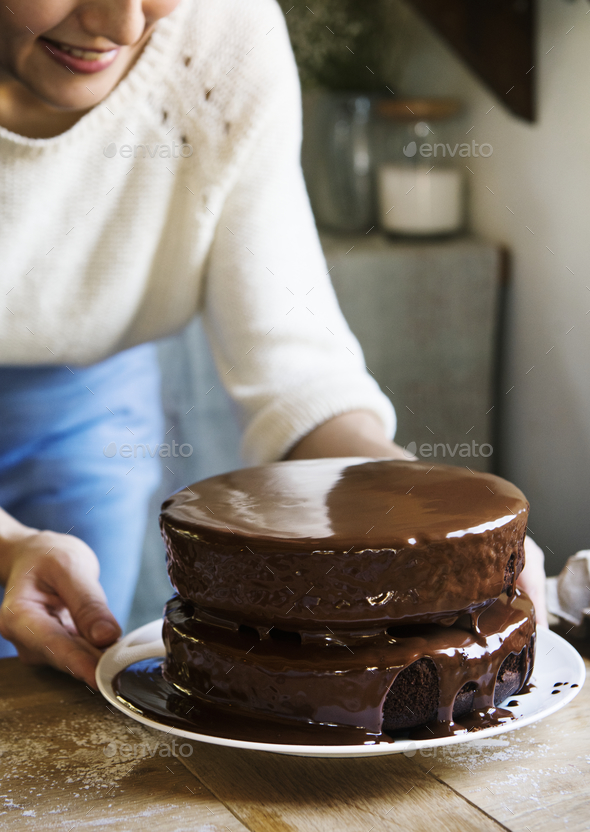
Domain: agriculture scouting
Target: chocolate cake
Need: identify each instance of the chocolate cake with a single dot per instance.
(348, 595)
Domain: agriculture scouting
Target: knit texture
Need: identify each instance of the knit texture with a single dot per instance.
(182, 193)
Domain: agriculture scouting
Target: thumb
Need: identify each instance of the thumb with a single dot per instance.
(82, 594)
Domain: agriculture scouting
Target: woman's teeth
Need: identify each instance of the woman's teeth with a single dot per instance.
(85, 54)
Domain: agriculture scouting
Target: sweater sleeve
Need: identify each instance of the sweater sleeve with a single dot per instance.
(280, 342)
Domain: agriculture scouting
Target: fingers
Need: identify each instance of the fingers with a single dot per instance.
(41, 638)
(55, 610)
(76, 583)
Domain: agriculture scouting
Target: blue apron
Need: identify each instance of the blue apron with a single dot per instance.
(79, 455)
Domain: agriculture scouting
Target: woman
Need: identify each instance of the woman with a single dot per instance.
(150, 170)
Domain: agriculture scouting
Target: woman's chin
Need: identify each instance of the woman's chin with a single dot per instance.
(77, 94)
(61, 88)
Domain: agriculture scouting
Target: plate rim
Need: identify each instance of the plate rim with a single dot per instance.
(104, 677)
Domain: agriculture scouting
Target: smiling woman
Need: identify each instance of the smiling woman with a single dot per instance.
(48, 48)
(104, 253)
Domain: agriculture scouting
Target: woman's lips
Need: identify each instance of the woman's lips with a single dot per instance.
(84, 60)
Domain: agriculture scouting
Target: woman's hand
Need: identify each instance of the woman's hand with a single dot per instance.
(54, 610)
(532, 579)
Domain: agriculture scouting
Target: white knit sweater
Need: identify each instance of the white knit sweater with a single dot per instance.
(100, 252)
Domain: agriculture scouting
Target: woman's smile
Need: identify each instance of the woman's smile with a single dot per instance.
(78, 58)
(60, 58)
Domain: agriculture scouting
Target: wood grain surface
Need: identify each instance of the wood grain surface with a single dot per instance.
(276, 793)
(531, 780)
(68, 760)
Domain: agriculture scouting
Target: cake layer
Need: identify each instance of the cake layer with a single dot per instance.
(419, 685)
(304, 544)
(399, 678)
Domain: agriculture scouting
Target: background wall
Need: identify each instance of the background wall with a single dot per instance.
(533, 195)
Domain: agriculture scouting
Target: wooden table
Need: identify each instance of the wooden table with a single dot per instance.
(70, 761)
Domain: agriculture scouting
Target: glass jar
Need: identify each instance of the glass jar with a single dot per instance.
(337, 159)
(420, 183)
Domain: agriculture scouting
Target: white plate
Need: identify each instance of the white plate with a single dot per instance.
(556, 661)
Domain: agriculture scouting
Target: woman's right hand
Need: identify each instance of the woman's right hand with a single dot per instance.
(54, 609)
(532, 579)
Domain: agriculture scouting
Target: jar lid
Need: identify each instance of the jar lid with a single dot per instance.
(418, 109)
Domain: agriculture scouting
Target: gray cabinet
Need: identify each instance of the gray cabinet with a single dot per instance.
(426, 314)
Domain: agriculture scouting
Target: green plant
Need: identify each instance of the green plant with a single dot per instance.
(342, 44)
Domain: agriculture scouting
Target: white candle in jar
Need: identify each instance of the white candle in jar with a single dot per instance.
(416, 200)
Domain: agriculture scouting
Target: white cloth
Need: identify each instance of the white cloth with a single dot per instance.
(102, 252)
(568, 594)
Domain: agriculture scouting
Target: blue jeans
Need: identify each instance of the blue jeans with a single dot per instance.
(73, 458)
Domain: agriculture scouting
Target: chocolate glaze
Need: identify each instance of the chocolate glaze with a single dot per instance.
(304, 544)
(142, 688)
(324, 684)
